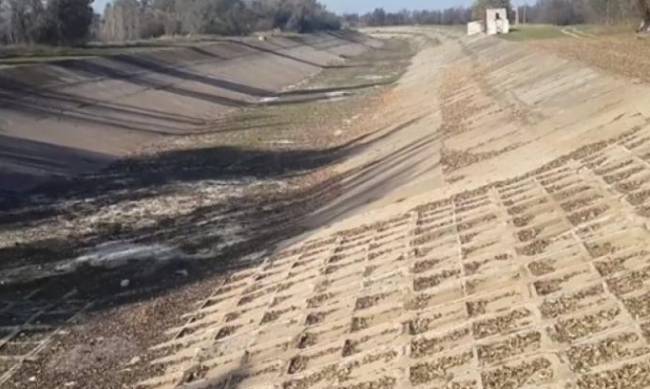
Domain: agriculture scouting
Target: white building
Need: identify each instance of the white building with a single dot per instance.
(474, 28)
(496, 21)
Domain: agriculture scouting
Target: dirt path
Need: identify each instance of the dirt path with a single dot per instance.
(491, 231)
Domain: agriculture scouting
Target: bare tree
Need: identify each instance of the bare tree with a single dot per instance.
(66, 21)
(165, 13)
(4, 21)
(24, 19)
(644, 8)
(449, 16)
(122, 21)
(37, 21)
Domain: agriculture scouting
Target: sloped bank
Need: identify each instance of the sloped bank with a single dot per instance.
(75, 116)
(185, 197)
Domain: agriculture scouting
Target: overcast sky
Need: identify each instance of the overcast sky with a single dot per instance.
(361, 6)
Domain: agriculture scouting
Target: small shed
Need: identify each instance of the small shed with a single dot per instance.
(474, 28)
(496, 21)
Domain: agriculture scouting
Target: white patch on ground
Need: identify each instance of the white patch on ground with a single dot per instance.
(170, 201)
(111, 255)
(334, 100)
(371, 77)
(331, 97)
(281, 142)
(266, 100)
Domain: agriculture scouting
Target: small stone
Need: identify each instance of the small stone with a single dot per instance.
(32, 379)
(125, 283)
(182, 273)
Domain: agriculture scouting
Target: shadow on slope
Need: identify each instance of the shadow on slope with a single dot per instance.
(174, 221)
(199, 242)
(23, 161)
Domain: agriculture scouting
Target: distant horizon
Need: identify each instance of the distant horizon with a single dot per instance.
(364, 6)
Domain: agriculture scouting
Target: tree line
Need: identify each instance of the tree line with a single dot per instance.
(380, 17)
(141, 19)
(560, 12)
(564, 12)
(51, 22)
(65, 22)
